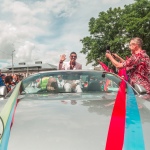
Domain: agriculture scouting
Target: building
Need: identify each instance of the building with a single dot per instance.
(27, 69)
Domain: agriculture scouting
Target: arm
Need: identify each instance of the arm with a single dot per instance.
(114, 62)
(118, 57)
(60, 65)
(62, 58)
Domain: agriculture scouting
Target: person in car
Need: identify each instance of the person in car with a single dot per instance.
(137, 66)
(41, 83)
(60, 82)
(71, 65)
(52, 85)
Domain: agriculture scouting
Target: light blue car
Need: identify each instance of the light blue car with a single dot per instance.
(77, 117)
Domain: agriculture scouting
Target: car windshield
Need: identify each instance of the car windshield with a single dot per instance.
(70, 82)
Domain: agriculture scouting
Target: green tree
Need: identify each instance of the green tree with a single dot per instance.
(115, 28)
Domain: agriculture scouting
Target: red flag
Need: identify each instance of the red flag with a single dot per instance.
(122, 73)
(105, 67)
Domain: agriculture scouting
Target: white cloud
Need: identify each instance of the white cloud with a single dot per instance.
(24, 53)
(44, 29)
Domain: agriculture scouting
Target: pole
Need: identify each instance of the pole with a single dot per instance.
(12, 63)
(27, 71)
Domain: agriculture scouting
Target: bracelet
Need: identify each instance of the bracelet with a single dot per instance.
(61, 62)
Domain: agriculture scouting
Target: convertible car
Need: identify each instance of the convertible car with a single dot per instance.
(74, 110)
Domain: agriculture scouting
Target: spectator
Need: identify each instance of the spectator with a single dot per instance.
(8, 81)
(1, 80)
(20, 77)
(137, 66)
(71, 65)
(15, 79)
(3, 77)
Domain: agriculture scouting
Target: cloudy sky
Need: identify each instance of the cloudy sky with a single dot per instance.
(42, 30)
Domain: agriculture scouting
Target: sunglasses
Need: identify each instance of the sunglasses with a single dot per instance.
(73, 56)
(132, 44)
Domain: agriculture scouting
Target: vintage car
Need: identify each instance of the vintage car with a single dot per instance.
(74, 110)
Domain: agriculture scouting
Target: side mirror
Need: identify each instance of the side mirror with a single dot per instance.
(140, 89)
(3, 90)
(1, 127)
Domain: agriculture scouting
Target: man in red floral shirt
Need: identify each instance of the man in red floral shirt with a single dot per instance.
(137, 66)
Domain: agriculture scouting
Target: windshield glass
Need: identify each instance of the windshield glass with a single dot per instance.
(70, 81)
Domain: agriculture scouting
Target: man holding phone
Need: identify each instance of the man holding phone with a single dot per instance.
(137, 65)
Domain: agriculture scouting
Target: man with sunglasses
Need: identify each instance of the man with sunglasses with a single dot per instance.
(137, 66)
(71, 65)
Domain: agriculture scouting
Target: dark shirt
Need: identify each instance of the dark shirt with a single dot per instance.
(1, 82)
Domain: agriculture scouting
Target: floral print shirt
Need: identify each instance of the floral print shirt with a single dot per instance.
(138, 69)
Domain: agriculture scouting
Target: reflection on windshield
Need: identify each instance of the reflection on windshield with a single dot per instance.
(71, 82)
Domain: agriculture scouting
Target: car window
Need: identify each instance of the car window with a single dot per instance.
(70, 81)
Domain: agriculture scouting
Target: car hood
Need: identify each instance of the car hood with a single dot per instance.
(61, 122)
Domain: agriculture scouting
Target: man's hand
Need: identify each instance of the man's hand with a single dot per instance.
(107, 55)
(62, 57)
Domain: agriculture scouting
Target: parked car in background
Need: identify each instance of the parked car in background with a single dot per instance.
(80, 114)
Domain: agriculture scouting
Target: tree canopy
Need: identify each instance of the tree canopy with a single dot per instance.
(115, 28)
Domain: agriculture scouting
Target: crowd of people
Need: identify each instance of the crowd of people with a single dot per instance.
(9, 80)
